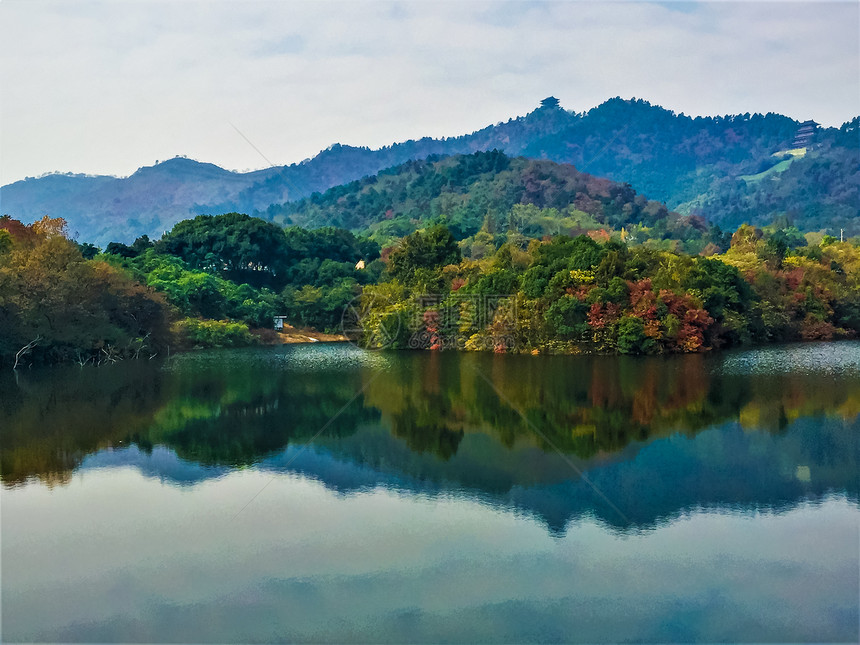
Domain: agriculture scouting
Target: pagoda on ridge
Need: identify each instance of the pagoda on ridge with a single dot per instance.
(804, 134)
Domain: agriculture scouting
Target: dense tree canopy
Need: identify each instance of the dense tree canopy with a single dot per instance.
(238, 246)
(578, 295)
(324, 254)
(429, 249)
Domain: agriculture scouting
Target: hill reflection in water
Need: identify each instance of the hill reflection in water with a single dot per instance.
(758, 429)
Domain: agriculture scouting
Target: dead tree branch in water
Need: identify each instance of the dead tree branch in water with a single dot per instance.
(25, 350)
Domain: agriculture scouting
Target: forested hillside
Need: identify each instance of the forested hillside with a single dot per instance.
(728, 169)
(485, 197)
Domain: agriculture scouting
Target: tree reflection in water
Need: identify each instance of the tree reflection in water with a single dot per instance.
(484, 424)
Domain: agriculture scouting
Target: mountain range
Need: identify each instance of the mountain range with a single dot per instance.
(729, 170)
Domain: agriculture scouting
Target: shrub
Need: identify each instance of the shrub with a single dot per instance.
(213, 333)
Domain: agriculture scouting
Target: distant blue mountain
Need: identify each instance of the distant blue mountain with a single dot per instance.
(713, 166)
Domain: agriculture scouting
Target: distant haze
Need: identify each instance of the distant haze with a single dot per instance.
(109, 87)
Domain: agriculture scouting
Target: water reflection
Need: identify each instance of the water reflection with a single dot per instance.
(657, 437)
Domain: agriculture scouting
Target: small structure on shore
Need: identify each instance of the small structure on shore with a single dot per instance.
(279, 322)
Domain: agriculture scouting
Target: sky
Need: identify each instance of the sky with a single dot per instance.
(105, 88)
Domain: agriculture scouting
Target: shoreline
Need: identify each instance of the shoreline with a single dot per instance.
(290, 335)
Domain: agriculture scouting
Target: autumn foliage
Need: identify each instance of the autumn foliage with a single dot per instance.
(63, 307)
(587, 295)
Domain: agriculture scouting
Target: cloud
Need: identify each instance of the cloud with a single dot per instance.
(108, 87)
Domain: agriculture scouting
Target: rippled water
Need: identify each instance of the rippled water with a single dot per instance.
(325, 494)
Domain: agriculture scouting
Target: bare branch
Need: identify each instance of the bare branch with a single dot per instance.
(25, 350)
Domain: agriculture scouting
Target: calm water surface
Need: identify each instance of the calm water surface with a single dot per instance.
(325, 494)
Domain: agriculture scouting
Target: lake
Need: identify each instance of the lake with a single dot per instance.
(321, 493)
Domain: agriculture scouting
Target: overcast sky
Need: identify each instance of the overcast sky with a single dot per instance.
(109, 87)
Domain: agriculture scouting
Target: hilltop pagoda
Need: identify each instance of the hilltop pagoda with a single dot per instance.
(804, 134)
(550, 103)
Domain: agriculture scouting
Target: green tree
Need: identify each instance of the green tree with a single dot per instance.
(432, 248)
(567, 317)
(632, 338)
(237, 246)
